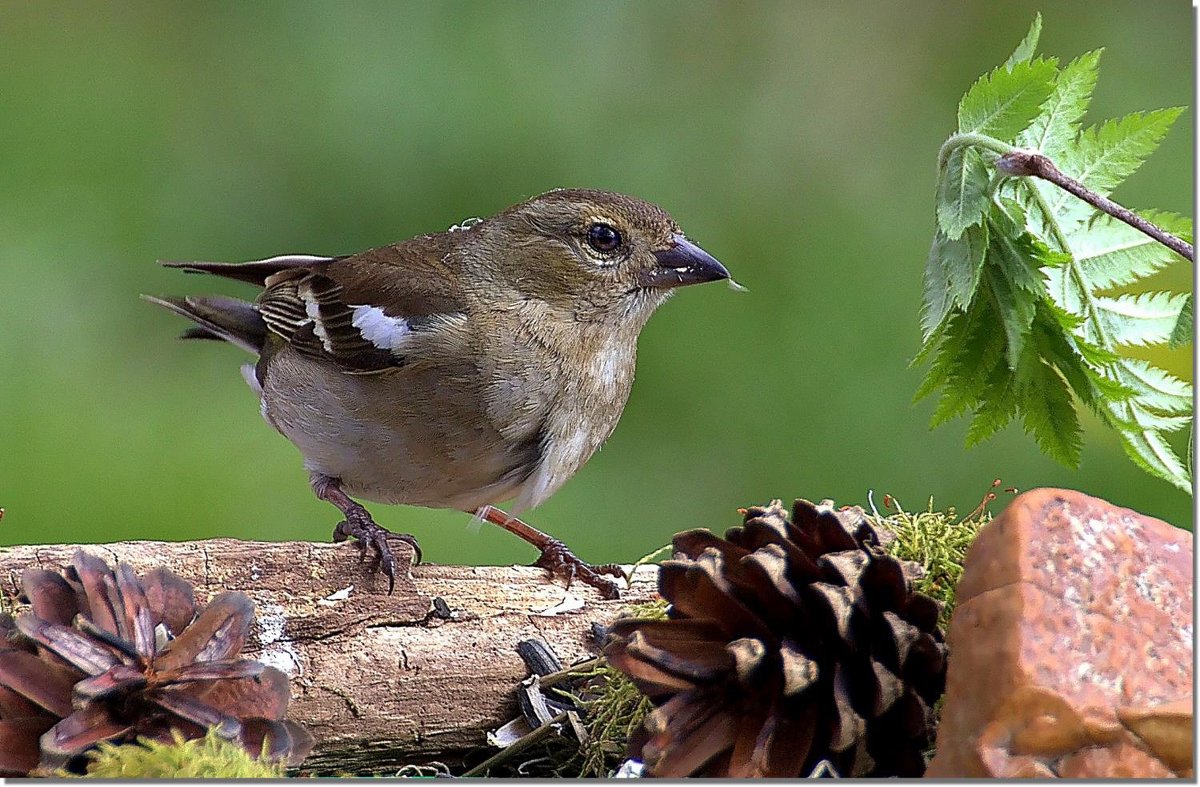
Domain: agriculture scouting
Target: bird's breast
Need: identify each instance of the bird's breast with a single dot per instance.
(585, 411)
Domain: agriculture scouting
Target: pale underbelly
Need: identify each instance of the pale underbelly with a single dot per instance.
(393, 451)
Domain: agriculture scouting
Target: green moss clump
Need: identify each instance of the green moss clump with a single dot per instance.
(938, 540)
(615, 709)
(210, 757)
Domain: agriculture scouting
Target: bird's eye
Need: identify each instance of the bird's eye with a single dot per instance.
(603, 238)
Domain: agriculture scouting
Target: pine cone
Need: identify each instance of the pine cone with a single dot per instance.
(102, 656)
(788, 642)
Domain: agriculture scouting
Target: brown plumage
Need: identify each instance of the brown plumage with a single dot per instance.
(459, 369)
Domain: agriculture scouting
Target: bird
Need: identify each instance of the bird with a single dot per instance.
(459, 369)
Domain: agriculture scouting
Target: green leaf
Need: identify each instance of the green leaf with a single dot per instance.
(1110, 253)
(1149, 419)
(1024, 329)
(1183, 330)
(1106, 387)
(970, 366)
(967, 347)
(1104, 156)
(1013, 280)
(1016, 308)
(1022, 256)
(1048, 414)
(1150, 451)
(1055, 344)
(962, 192)
(1146, 318)
(1154, 387)
(1028, 45)
(951, 275)
(1057, 124)
(996, 407)
(1065, 291)
(1003, 103)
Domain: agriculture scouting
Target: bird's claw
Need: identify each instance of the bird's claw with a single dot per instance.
(369, 533)
(560, 561)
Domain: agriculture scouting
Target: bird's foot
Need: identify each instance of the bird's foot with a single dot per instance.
(371, 534)
(560, 561)
(556, 557)
(360, 525)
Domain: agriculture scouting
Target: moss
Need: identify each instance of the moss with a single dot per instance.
(203, 758)
(615, 709)
(938, 540)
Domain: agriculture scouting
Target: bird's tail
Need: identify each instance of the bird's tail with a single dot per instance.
(216, 317)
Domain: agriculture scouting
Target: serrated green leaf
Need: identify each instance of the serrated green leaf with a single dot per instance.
(1154, 387)
(970, 348)
(1108, 389)
(1059, 348)
(1003, 103)
(1148, 419)
(931, 343)
(951, 275)
(1111, 253)
(1057, 124)
(1142, 319)
(1048, 414)
(1150, 451)
(1094, 354)
(1065, 291)
(950, 338)
(968, 380)
(1016, 308)
(1036, 337)
(1013, 280)
(1028, 45)
(996, 408)
(1182, 333)
(1020, 255)
(962, 192)
(1067, 321)
(1104, 156)
(990, 417)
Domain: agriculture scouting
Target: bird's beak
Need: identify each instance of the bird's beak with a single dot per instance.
(683, 263)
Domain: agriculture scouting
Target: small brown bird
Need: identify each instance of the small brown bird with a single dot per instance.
(459, 369)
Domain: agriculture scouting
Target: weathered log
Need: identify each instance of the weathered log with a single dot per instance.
(380, 680)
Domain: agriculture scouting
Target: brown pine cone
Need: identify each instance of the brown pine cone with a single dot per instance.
(791, 641)
(104, 656)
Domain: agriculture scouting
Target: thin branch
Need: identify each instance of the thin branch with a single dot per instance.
(521, 744)
(1030, 163)
(575, 671)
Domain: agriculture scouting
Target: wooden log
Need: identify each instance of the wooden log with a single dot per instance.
(380, 680)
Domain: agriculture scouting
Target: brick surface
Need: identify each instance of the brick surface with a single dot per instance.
(1074, 616)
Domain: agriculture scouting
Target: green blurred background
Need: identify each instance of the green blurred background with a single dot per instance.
(794, 140)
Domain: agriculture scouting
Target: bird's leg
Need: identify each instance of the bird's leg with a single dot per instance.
(359, 524)
(556, 557)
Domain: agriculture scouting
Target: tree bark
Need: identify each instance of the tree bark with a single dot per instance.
(380, 681)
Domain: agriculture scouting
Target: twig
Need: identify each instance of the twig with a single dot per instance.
(519, 746)
(1030, 163)
(573, 671)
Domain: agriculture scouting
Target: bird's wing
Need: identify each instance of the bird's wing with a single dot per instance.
(367, 312)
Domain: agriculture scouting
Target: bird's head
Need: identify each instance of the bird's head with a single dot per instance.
(603, 256)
